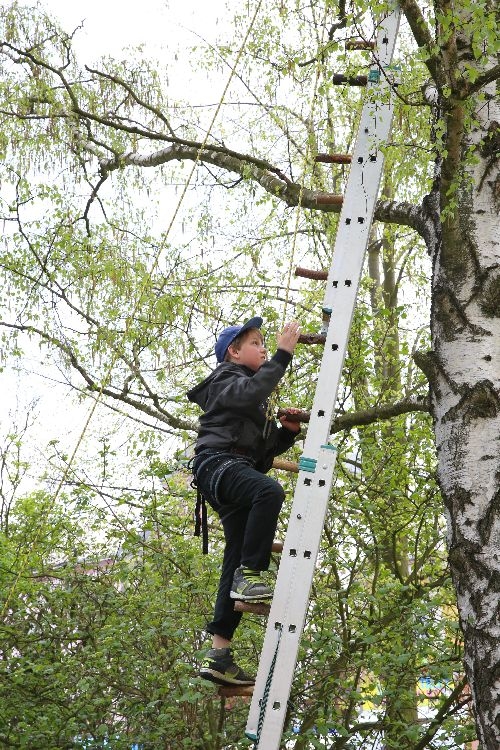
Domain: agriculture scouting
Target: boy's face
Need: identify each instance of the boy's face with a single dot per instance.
(252, 352)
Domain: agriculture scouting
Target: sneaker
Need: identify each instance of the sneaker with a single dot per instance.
(219, 666)
(247, 586)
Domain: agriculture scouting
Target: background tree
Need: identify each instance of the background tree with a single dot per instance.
(92, 272)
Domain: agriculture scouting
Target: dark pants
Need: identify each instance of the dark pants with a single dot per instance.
(248, 503)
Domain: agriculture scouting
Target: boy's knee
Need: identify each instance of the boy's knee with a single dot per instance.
(270, 495)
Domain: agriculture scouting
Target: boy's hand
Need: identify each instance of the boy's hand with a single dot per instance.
(285, 422)
(289, 337)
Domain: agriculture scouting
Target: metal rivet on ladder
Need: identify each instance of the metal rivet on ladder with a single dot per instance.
(385, 40)
(335, 284)
(292, 628)
(293, 553)
(366, 130)
(321, 413)
(335, 347)
(361, 219)
(360, 160)
(299, 516)
(347, 221)
(277, 625)
(276, 705)
(307, 481)
(322, 481)
(373, 157)
(347, 282)
(307, 554)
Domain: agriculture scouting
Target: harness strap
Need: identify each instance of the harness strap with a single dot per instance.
(200, 521)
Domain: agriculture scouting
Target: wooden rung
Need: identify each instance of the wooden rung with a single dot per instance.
(359, 44)
(309, 273)
(339, 79)
(312, 338)
(329, 199)
(277, 547)
(281, 463)
(333, 158)
(226, 691)
(300, 416)
(255, 608)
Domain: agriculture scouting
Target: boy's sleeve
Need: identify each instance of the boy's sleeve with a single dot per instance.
(245, 391)
(284, 440)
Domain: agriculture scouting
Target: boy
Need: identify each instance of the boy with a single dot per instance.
(235, 448)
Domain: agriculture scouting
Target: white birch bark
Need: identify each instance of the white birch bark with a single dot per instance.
(466, 405)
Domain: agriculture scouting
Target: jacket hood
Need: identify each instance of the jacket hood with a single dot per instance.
(199, 394)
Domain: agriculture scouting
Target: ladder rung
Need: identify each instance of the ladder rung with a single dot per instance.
(256, 608)
(312, 338)
(226, 691)
(360, 44)
(281, 463)
(300, 416)
(333, 158)
(328, 199)
(309, 273)
(339, 79)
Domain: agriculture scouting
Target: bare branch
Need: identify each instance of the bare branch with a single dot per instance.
(159, 412)
(364, 417)
(422, 35)
(269, 178)
(488, 76)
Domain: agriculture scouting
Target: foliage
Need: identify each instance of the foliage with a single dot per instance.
(123, 261)
(100, 640)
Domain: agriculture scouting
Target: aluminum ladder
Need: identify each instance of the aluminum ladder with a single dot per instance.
(316, 466)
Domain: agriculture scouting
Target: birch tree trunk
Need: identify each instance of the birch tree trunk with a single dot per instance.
(465, 383)
(463, 367)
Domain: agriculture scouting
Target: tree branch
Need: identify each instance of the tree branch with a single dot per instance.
(423, 37)
(269, 178)
(443, 712)
(93, 385)
(364, 417)
(488, 77)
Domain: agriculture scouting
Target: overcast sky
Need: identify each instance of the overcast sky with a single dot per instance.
(111, 25)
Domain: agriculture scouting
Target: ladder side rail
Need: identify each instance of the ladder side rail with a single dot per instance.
(289, 608)
(287, 615)
(345, 272)
(367, 162)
